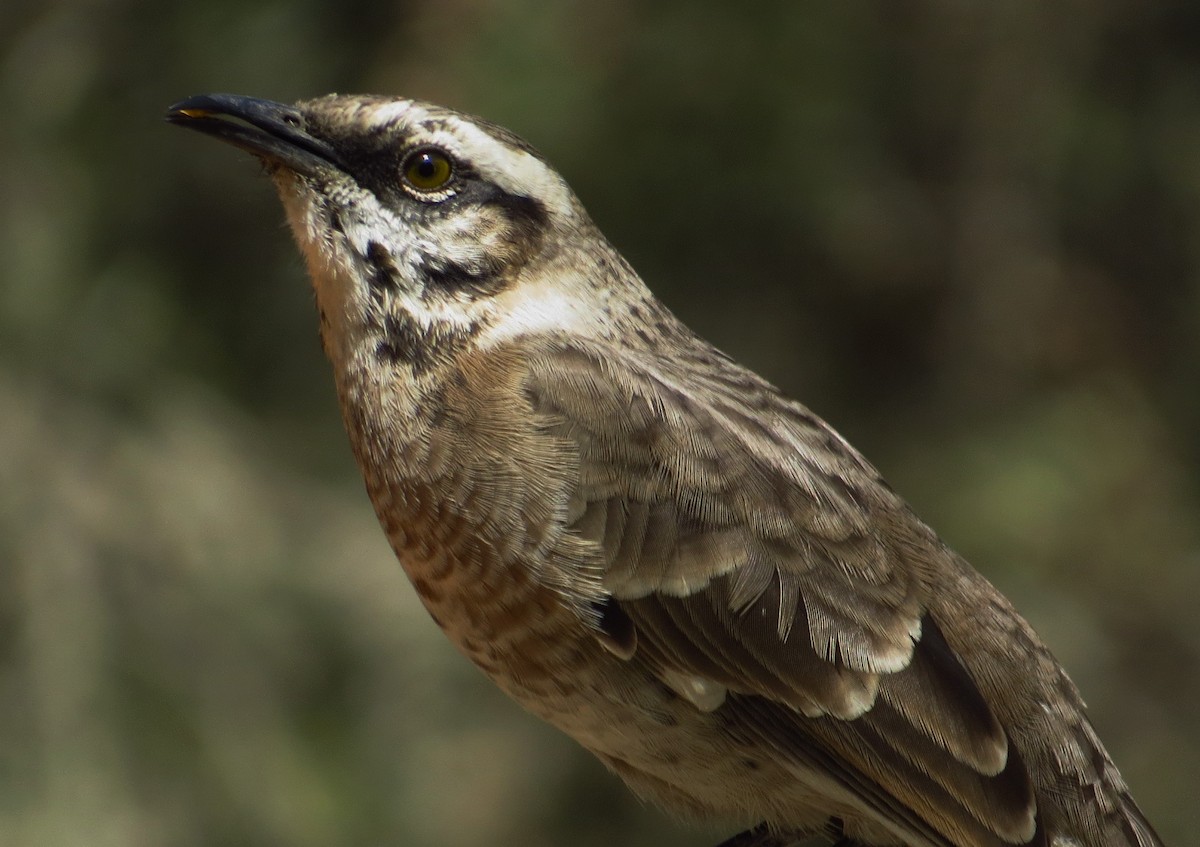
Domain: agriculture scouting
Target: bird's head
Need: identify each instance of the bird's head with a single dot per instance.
(421, 227)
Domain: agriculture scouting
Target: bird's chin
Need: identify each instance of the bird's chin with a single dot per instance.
(293, 187)
(330, 260)
(302, 203)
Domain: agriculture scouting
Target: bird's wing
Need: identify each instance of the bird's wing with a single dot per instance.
(747, 548)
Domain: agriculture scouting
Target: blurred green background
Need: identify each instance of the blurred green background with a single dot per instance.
(967, 234)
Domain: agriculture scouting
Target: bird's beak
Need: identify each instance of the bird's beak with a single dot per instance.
(274, 132)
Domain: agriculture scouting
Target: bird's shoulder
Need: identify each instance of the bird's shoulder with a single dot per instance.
(691, 474)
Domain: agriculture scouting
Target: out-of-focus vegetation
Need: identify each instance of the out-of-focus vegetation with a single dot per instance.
(967, 234)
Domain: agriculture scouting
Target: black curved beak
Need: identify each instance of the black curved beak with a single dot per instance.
(274, 132)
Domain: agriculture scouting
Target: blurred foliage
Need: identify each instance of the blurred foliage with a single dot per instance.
(967, 234)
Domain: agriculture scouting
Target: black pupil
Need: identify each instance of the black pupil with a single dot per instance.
(426, 166)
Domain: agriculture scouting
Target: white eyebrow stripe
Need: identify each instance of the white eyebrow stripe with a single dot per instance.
(387, 113)
(516, 171)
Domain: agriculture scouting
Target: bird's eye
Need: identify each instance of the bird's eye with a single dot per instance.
(427, 170)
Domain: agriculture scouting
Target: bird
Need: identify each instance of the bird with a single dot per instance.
(642, 542)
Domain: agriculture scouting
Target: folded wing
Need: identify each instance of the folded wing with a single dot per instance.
(754, 552)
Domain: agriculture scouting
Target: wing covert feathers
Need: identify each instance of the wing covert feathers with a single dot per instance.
(753, 551)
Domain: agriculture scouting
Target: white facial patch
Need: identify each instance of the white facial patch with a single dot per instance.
(533, 308)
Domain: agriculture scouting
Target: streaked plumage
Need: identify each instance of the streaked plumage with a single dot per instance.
(638, 539)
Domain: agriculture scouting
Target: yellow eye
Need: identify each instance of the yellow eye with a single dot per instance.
(428, 170)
